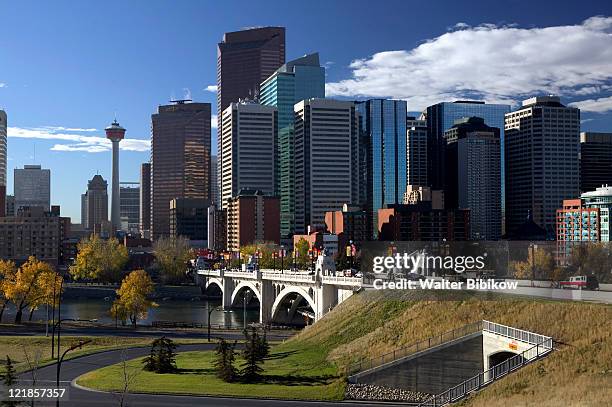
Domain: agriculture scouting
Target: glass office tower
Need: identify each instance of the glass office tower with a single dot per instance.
(383, 142)
(297, 80)
(441, 117)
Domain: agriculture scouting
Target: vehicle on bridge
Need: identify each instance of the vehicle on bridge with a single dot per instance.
(581, 283)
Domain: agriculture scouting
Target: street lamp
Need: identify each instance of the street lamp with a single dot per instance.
(210, 310)
(246, 293)
(59, 308)
(78, 345)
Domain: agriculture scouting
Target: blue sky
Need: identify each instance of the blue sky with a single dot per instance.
(67, 67)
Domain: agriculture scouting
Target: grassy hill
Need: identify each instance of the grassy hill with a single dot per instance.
(310, 365)
(578, 374)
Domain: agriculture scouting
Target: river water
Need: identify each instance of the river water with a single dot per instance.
(170, 310)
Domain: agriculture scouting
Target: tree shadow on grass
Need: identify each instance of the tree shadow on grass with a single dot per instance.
(280, 355)
(210, 370)
(293, 380)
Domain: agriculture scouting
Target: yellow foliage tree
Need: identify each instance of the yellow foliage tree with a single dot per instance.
(31, 286)
(540, 263)
(99, 259)
(7, 277)
(132, 297)
(172, 255)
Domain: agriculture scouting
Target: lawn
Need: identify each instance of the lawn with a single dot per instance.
(288, 374)
(22, 348)
(310, 364)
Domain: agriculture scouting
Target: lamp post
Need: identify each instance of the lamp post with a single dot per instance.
(59, 308)
(61, 359)
(210, 310)
(282, 257)
(246, 293)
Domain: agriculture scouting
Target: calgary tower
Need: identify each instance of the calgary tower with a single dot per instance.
(115, 134)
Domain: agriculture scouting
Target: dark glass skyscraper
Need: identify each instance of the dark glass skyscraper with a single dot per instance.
(297, 80)
(383, 141)
(180, 159)
(441, 117)
(244, 60)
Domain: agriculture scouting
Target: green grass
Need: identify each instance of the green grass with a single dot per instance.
(38, 348)
(309, 365)
(289, 374)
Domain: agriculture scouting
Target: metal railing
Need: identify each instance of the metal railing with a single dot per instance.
(343, 280)
(490, 375)
(518, 334)
(367, 364)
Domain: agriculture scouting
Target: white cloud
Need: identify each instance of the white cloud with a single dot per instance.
(211, 88)
(76, 142)
(601, 105)
(497, 63)
(213, 121)
(3, 85)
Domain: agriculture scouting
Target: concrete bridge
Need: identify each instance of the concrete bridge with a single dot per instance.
(283, 295)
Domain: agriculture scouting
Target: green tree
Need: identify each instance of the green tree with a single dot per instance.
(162, 357)
(591, 259)
(224, 361)
(99, 259)
(9, 378)
(172, 255)
(301, 248)
(133, 297)
(253, 357)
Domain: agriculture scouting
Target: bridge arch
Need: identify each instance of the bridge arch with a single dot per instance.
(254, 287)
(285, 293)
(499, 357)
(214, 282)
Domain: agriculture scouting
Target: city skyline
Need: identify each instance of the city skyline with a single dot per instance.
(59, 123)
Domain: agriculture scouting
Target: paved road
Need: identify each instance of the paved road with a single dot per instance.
(141, 331)
(79, 397)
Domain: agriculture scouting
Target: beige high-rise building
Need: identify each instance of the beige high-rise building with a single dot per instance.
(326, 160)
(94, 203)
(249, 150)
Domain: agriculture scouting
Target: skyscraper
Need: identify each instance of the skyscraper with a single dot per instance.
(115, 133)
(3, 160)
(302, 78)
(441, 117)
(542, 145)
(145, 200)
(326, 160)
(214, 186)
(383, 139)
(180, 159)
(473, 178)
(595, 160)
(129, 206)
(249, 151)
(32, 186)
(244, 60)
(94, 203)
(416, 152)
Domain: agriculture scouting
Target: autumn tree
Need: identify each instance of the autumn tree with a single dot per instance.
(7, 277)
(99, 259)
(172, 255)
(31, 286)
(540, 263)
(133, 296)
(301, 248)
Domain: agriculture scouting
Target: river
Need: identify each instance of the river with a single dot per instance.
(170, 310)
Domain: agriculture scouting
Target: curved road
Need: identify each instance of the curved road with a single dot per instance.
(78, 397)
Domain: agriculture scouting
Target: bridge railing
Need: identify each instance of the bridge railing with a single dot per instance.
(518, 334)
(343, 280)
(367, 364)
(289, 277)
(488, 376)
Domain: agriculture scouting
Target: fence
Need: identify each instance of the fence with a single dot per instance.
(404, 351)
(488, 376)
(518, 334)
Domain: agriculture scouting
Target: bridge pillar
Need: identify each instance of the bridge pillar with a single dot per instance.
(266, 301)
(228, 289)
(326, 297)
